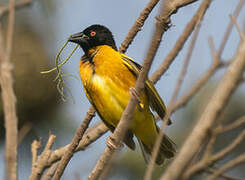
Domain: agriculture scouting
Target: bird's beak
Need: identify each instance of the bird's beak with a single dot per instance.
(78, 38)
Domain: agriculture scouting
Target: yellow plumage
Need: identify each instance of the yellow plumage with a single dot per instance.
(107, 77)
(106, 82)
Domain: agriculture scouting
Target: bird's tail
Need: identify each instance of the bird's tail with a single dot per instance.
(167, 150)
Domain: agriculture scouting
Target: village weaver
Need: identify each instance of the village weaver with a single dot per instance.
(108, 77)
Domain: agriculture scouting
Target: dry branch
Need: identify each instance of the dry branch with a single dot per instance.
(215, 65)
(93, 134)
(74, 143)
(217, 103)
(238, 160)
(211, 171)
(209, 161)
(9, 99)
(180, 43)
(5, 9)
(38, 163)
(233, 125)
(137, 25)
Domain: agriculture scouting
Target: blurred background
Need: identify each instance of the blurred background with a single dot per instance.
(40, 31)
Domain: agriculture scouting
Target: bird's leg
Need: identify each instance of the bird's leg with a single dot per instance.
(134, 93)
(110, 142)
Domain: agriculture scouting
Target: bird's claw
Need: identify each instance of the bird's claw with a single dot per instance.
(110, 142)
(134, 93)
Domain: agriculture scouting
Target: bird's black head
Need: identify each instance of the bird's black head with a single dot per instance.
(93, 36)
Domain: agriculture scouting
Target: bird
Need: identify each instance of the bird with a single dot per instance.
(108, 78)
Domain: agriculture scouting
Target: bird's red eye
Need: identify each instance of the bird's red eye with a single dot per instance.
(92, 33)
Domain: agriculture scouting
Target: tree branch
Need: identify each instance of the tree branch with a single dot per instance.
(137, 25)
(181, 40)
(240, 159)
(215, 65)
(217, 103)
(42, 163)
(9, 99)
(5, 9)
(208, 161)
(74, 143)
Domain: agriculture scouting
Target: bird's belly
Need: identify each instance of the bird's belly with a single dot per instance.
(109, 99)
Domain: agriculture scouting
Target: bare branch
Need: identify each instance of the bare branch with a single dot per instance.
(211, 171)
(217, 103)
(34, 148)
(215, 65)
(50, 172)
(74, 143)
(5, 9)
(242, 37)
(230, 26)
(89, 137)
(208, 161)
(240, 159)
(233, 125)
(137, 25)
(181, 40)
(41, 161)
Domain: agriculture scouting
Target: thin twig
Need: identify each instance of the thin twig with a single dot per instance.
(233, 125)
(137, 25)
(211, 171)
(230, 26)
(179, 44)
(208, 161)
(238, 160)
(215, 65)
(217, 103)
(74, 143)
(34, 148)
(42, 159)
(238, 28)
(92, 135)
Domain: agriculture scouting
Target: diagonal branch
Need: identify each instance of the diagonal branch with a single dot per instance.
(217, 103)
(210, 161)
(200, 14)
(238, 160)
(215, 65)
(74, 144)
(137, 25)
(179, 44)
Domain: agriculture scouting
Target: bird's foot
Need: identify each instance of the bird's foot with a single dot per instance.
(110, 142)
(134, 93)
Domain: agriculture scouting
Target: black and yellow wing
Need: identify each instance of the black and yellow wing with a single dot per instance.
(156, 103)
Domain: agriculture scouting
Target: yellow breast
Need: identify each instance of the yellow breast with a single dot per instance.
(106, 82)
